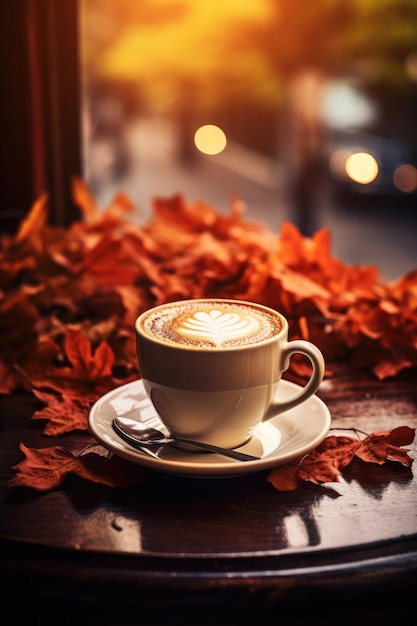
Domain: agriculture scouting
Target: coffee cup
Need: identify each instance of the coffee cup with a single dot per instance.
(212, 366)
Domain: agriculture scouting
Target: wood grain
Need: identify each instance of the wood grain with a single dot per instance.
(228, 542)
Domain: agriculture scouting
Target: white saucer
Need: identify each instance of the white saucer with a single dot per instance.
(279, 440)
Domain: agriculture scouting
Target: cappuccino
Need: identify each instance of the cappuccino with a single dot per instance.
(211, 367)
(210, 324)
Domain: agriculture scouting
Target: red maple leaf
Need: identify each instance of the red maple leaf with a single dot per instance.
(85, 364)
(75, 387)
(64, 413)
(324, 464)
(46, 468)
(69, 298)
(88, 368)
(386, 445)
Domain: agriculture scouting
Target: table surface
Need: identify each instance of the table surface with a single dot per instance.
(229, 542)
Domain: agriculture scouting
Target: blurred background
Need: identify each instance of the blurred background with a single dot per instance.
(306, 110)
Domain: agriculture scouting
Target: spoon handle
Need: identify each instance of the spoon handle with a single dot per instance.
(144, 446)
(233, 454)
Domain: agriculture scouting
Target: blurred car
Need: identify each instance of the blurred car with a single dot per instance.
(372, 139)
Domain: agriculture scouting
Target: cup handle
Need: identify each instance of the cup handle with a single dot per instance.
(299, 346)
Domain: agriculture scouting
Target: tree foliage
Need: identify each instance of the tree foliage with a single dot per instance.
(216, 51)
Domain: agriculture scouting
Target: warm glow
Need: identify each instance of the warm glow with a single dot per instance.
(362, 167)
(411, 66)
(171, 48)
(210, 139)
(405, 178)
(337, 162)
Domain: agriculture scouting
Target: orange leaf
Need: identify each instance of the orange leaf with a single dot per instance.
(46, 468)
(84, 200)
(374, 449)
(69, 297)
(64, 413)
(340, 449)
(400, 455)
(325, 463)
(390, 368)
(90, 366)
(319, 470)
(90, 373)
(9, 379)
(285, 477)
(33, 225)
(78, 386)
(401, 436)
(382, 446)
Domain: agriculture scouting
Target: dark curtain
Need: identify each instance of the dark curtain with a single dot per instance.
(40, 110)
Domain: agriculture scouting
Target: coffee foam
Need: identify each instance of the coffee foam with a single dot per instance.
(210, 325)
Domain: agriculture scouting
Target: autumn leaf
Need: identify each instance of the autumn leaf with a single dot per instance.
(88, 369)
(340, 449)
(374, 449)
(401, 436)
(64, 413)
(325, 463)
(84, 200)
(69, 391)
(69, 298)
(348, 312)
(303, 287)
(32, 226)
(92, 213)
(46, 468)
(9, 379)
(286, 477)
(18, 333)
(319, 470)
(22, 348)
(386, 445)
(85, 364)
(107, 263)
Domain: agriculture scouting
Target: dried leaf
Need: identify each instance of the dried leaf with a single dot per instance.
(401, 436)
(319, 470)
(63, 413)
(32, 226)
(88, 370)
(79, 352)
(382, 446)
(9, 379)
(325, 463)
(69, 298)
(286, 477)
(46, 468)
(374, 449)
(76, 387)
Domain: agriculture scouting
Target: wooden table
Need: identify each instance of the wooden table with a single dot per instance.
(219, 549)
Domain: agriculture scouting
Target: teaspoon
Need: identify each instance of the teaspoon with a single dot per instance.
(147, 436)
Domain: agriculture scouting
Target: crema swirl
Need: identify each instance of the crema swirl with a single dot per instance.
(210, 324)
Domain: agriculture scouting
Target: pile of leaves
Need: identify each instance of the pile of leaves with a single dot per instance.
(326, 462)
(69, 296)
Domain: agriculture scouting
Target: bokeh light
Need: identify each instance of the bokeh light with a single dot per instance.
(405, 178)
(210, 139)
(411, 65)
(362, 167)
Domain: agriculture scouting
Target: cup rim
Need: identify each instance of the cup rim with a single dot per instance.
(283, 330)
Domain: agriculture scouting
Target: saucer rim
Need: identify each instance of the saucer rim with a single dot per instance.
(199, 468)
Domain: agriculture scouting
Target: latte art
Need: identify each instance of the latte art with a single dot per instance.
(211, 324)
(217, 327)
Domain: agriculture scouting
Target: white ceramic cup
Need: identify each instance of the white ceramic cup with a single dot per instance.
(212, 366)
